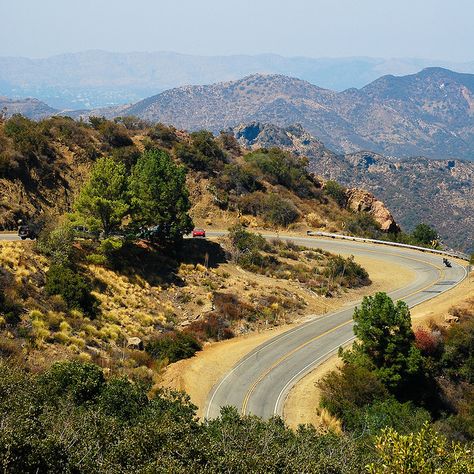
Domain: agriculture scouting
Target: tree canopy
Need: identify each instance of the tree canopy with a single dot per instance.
(103, 200)
(159, 196)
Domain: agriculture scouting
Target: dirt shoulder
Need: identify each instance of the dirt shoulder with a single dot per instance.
(199, 374)
(303, 400)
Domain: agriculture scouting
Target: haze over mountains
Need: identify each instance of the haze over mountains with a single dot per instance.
(97, 78)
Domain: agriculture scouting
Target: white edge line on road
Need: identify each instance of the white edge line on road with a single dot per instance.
(290, 384)
(279, 411)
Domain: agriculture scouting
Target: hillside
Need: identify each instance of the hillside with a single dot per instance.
(92, 79)
(430, 113)
(440, 192)
(32, 108)
(76, 293)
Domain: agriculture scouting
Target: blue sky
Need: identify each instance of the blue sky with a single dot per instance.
(317, 28)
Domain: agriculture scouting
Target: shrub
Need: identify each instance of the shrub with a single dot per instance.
(245, 241)
(26, 135)
(337, 192)
(82, 381)
(57, 244)
(114, 134)
(424, 234)
(213, 327)
(279, 211)
(346, 390)
(173, 346)
(364, 225)
(164, 134)
(74, 288)
(123, 399)
(281, 167)
(204, 154)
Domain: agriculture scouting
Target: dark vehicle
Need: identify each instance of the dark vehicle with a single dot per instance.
(26, 232)
(199, 233)
(447, 262)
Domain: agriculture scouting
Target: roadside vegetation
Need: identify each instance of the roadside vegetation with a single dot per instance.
(403, 386)
(112, 292)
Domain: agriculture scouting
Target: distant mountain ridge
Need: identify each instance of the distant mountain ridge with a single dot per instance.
(430, 113)
(439, 192)
(92, 79)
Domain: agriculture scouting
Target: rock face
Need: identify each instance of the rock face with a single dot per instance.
(359, 200)
(437, 192)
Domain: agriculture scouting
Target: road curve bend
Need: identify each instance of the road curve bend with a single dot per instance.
(260, 382)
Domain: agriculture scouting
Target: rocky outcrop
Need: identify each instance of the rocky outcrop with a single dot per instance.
(359, 200)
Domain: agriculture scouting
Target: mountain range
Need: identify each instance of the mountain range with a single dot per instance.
(430, 113)
(438, 192)
(92, 79)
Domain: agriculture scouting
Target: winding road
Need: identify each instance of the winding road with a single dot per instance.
(260, 382)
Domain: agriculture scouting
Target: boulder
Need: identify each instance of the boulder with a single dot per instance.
(359, 200)
(135, 343)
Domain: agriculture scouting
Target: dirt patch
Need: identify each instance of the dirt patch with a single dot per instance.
(199, 374)
(427, 311)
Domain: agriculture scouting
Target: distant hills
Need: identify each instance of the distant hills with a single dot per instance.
(430, 113)
(92, 79)
(439, 192)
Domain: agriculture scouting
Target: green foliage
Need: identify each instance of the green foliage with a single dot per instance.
(280, 167)
(114, 134)
(346, 269)
(424, 234)
(27, 136)
(363, 224)
(337, 192)
(102, 202)
(57, 244)
(423, 452)
(343, 392)
(123, 399)
(81, 381)
(173, 346)
(204, 153)
(163, 134)
(386, 339)
(245, 241)
(238, 178)
(159, 196)
(74, 288)
(273, 208)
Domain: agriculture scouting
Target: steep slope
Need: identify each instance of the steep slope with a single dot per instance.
(440, 192)
(430, 113)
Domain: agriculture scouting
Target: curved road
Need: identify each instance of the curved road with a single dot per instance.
(260, 382)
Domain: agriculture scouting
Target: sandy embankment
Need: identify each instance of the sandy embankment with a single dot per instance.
(198, 375)
(303, 400)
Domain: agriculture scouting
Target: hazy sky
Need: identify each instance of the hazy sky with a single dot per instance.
(385, 28)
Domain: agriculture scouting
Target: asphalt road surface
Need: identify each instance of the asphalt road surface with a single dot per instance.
(260, 382)
(9, 237)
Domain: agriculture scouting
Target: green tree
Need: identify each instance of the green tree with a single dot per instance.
(159, 196)
(424, 234)
(386, 339)
(103, 200)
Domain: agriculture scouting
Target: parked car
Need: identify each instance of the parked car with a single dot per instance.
(199, 233)
(25, 232)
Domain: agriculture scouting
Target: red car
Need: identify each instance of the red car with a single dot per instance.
(199, 233)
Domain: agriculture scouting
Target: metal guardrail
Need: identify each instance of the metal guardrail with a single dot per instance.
(460, 255)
